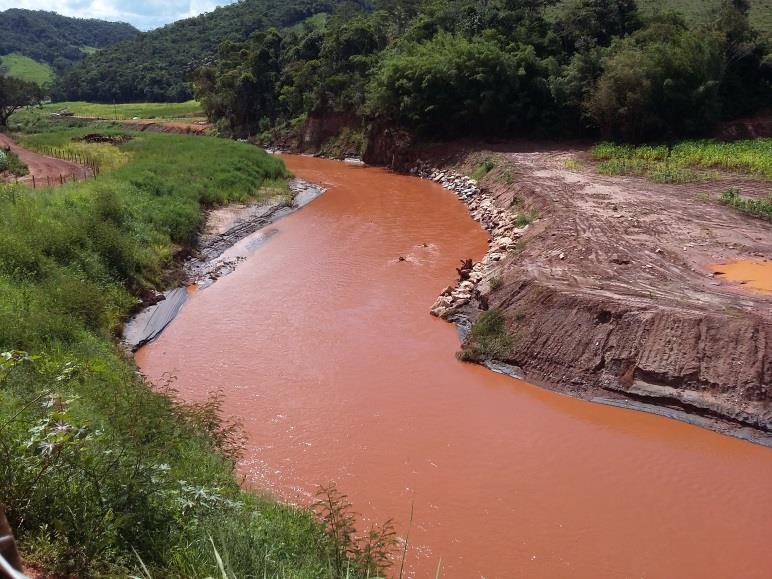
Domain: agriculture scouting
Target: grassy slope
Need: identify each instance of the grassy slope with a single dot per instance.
(25, 68)
(95, 464)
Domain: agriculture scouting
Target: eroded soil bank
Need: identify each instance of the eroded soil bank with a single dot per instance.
(611, 292)
(323, 345)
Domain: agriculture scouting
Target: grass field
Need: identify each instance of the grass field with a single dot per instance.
(98, 469)
(23, 67)
(128, 110)
(687, 161)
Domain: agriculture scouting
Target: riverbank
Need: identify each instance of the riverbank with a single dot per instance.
(216, 254)
(104, 475)
(600, 301)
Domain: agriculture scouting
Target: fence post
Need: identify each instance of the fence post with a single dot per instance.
(33, 182)
(48, 178)
(61, 179)
(8, 543)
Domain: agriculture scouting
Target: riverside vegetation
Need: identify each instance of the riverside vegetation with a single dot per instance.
(101, 474)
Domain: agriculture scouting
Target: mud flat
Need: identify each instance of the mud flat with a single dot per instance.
(610, 296)
(230, 234)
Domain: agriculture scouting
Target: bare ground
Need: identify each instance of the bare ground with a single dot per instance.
(611, 295)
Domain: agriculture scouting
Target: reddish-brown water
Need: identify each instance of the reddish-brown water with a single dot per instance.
(323, 343)
(756, 275)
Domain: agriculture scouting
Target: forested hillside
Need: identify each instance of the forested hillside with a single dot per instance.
(57, 40)
(447, 69)
(156, 66)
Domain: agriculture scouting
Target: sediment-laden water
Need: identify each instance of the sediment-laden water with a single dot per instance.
(323, 344)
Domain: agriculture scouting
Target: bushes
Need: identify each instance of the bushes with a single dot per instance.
(659, 82)
(453, 86)
(10, 162)
(488, 339)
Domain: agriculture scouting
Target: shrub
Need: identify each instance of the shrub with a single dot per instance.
(487, 339)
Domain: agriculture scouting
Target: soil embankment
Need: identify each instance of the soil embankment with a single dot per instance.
(611, 291)
(47, 171)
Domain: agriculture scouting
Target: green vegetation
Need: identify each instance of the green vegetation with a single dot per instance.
(483, 169)
(696, 10)
(488, 339)
(461, 68)
(156, 65)
(98, 470)
(23, 67)
(57, 40)
(127, 110)
(756, 207)
(525, 218)
(686, 161)
(10, 162)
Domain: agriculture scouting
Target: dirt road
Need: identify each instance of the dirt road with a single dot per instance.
(45, 170)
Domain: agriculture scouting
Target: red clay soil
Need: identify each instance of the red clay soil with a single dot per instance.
(612, 292)
(46, 170)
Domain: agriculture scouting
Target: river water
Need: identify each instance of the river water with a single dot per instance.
(324, 347)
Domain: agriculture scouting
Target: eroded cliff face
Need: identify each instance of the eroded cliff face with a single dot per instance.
(715, 364)
(608, 293)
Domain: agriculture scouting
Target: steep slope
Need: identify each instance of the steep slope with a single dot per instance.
(155, 65)
(57, 40)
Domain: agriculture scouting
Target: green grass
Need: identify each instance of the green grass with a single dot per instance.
(757, 207)
(697, 10)
(10, 162)
(25, 68)
(482, 169)
(487, 339)
(688, 161)
(98, 470)
(128, 110)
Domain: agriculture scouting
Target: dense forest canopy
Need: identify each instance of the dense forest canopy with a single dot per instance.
(57, 40)
(497, 67)
(156, 66)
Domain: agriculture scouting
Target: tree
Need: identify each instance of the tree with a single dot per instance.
(662, 81)
(15, 94)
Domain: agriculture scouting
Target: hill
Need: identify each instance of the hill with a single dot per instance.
(697, 10)
(155, 65)
(58, 41)
(25, 68)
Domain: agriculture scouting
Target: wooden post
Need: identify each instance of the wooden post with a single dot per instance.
(8, 543)
(33, 182)
(48, 177)
(61, 179)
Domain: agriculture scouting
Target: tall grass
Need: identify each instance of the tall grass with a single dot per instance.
(687, 161)
(94, 465)
(127, 110)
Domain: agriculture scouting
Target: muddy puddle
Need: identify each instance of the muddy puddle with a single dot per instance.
(322, 342)
(751, 274)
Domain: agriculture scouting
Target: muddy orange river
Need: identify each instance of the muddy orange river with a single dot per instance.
(323, 344)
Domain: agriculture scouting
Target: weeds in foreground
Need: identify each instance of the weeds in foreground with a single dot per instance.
(757, 207)
(488, 339)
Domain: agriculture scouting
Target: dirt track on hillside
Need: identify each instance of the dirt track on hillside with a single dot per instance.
(45, 170)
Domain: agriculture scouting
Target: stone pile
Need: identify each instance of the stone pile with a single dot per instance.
(497, 221)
